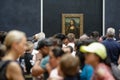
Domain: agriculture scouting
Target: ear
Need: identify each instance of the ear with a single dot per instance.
(14, 45)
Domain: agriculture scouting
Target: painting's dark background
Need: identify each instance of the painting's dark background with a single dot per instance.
(25, 15)
(113, 14)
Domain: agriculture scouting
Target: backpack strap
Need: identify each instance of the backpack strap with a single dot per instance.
(3, 68)
(4, 64)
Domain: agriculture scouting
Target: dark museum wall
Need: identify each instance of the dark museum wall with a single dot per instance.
(25, 15)
(113, 15)
(20, 14)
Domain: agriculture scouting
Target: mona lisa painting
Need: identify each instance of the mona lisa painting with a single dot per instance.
(72, 23)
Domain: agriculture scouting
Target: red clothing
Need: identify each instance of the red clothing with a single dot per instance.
(102, 72)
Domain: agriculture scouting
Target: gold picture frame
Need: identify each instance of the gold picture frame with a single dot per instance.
(72, 23)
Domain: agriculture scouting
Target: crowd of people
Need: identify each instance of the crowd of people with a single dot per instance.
(59, 57)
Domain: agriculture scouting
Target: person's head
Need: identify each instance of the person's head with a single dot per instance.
(39, 36)
(66, 41)
(2, 36)
(79, 53)
(71, 37)
(110, 33)
(56, 42)
(29, 46)
(83, 37)
(103, 38)
(72, 22)
(68, 50)
(69, 65)
(55, 56)
(95, 35)
(16, 41)
(94, 53)
(60, 36)
(88, 41)
(2, 51)
(44, 46)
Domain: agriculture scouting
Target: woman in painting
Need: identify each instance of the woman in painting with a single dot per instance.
(72, 28)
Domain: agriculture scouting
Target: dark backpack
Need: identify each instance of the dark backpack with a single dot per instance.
(3, 68)
(115, 71)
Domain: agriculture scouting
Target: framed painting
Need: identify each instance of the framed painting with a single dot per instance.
(72, 23)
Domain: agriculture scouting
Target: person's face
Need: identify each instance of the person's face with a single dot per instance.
(66, 41)
(90, 58)
(53, 60)
(20, 47)
(71, 22)
(45, 50)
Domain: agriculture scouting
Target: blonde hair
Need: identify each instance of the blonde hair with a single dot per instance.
(13, 36)
(40, 36)
(29, 45)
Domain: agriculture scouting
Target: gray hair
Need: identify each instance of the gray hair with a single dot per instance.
(83, 37)
(110, 32)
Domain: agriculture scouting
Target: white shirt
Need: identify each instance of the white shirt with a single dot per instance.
(54, 74)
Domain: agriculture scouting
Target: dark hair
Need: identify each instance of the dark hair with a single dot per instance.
(2, 36)
(57, 52)
(106, 61)
(44, 42)
(104, 38)
(78, 44)
(79, 53)
(2, 50)
(60, 36)
(88, 41)
(56, 42)
(95, 34)
(70, 47)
